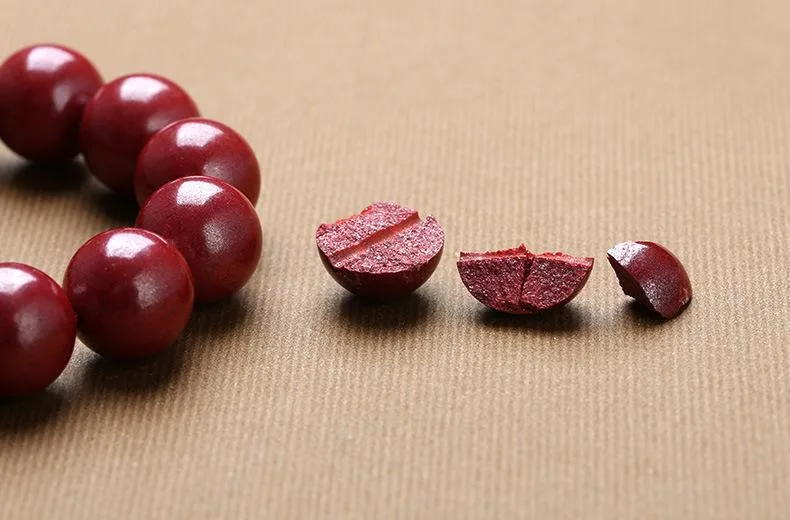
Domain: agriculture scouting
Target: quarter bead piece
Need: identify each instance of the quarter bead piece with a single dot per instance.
(214, 226)
(132, 292)
(197, 146)
(652, 275)
(37, 330)
(120, 119)
(43, 92)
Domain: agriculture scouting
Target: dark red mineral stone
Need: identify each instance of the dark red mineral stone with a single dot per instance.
(652, 275)
(383, 252)
(517, 281)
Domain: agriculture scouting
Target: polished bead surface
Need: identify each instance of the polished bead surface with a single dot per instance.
(120, 119)
(197, 146)
(37, 330)
(652, 275)
(132, 292)
(43, 92)
(214, 226)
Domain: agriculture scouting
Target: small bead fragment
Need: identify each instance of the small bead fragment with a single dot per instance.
(652, 275)
(516, 281)
(383, 252)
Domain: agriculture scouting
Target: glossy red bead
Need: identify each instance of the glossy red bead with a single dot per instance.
(120, 119)
(132, 292)
(197, 146)
(652, 275)
(214, 226)
(37, 330)
(43, 92)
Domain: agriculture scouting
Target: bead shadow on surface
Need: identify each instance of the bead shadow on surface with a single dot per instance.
(566, 319)
(143, 376)
(22, 414)
(641, 315)
(163, 370)
(363, 314)
(119, 208)
(215, 320)
(44, 178)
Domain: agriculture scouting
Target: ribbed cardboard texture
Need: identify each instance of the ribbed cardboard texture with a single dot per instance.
(566, 125)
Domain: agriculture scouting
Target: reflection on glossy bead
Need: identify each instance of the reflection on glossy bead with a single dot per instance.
(197, 146)
(43, 92)
(37, 330)
(214, 226)
(120, 119)
(652, 275)
(132, 292)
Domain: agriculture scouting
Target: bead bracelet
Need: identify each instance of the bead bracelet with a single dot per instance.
(128, 293)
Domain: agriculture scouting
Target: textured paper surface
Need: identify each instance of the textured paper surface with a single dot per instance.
(567, 125)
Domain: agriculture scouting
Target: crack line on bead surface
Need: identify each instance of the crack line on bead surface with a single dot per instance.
(374, 239)
(522, 302)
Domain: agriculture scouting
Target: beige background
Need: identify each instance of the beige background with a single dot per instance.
(565, 124)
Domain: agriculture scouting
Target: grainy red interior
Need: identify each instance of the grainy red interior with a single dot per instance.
(373, 223)
(384, 251)
(518, 282)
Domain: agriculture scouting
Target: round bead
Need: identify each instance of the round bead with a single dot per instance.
(43, 92)
(37, 330)
(120, 119)
(197, 146)
(132, 292)
(214, 226)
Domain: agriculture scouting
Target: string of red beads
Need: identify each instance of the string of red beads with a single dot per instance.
(127, 293)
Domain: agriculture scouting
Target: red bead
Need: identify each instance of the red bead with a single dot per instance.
(516, 281)
(132, 292)
(383, 252)
(214, 226)
(652, 275)
(197, 147)
(120, 119)
(43, 91)
(37, 330)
